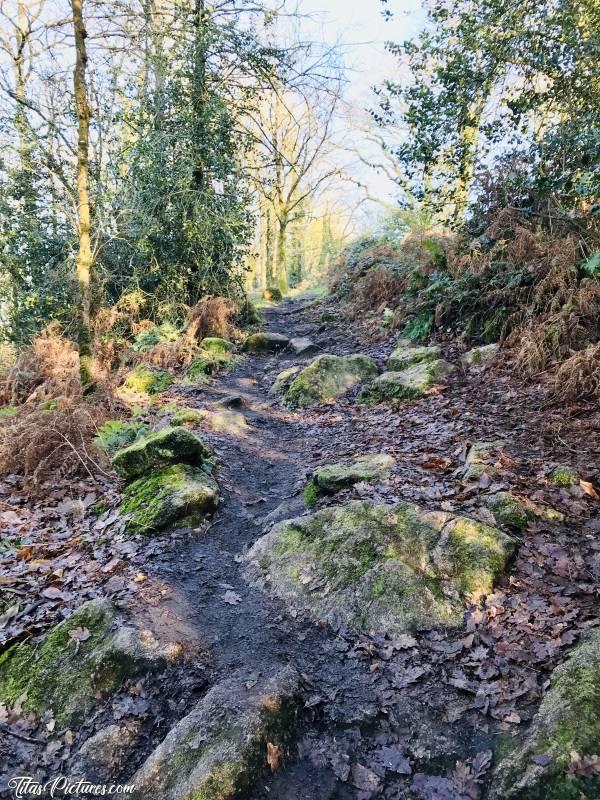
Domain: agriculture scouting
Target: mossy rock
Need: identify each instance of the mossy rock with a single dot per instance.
(64, 676)
(327, 378)
(283, 381)
(407, 384)
(187, 416)
(379, 566)
(508, 510)
(479, 460)
(480, 356)
(217, 346)
(563, 477)
(331, 478)
(273, 294)
(218, 751)
(265, 342)
(177, 495)
(145, 380)
(407, 354)
(568, 721)
(172, 445)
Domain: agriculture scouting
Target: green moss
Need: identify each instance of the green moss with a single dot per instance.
(54, 676)
(217, 346)
(8, 411)
(116, 434)
(187, 416)
(477, 555)
(145, 380)
(311, 494)
(563, 477)
(414, 564)
(273, 294)
(408, 383)
(167, 332)
(327, 378)
(406, 354)
(333, 477)
(168, 446)
(178, 494)
(508, 510)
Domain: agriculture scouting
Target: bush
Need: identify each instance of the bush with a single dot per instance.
(213, 316)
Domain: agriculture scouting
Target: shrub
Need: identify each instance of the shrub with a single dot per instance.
(213, 316)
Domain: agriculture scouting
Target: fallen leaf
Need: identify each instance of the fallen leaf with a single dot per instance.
(274, 754)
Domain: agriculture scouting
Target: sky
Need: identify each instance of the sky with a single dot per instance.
(361, 31)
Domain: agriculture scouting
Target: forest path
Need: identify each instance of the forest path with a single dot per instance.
(262, 455)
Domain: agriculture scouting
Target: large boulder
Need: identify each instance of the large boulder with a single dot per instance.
(265, 342)
(563, 739)
(176, 495)
(406, 354)
(330, 478)
(282, 381)
(84, 657)
(379, 566)
(172, 445)
(409, 383)
(327, 378)
(220, 748)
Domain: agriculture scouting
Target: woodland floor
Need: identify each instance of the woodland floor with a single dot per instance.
(378, 712)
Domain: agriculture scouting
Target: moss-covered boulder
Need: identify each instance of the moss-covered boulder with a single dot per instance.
(408, 383)
(172, 445)
(481, 458)
(566, 728)
(480, 356)
(187, 416)
(146, 380)
(82, 658)
(265, 342)
(176, 495)
(217, 346)
(219, 749)
(283, 381)
(380, 566)
(327, 378)
(509, 510)
(406, 354)
(563, 477)
(330, 478)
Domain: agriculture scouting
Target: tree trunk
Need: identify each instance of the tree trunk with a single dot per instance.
(199, 92)
(84, 254)
(281, 254)
(469, 134)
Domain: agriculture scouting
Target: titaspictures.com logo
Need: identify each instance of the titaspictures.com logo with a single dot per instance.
(24, 786)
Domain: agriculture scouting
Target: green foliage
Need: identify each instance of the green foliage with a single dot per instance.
(149, 381)
(167, 332)
(592, 265)
(115, 434)
(419, 327)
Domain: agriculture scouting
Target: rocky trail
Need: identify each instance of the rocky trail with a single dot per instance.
(363, 713)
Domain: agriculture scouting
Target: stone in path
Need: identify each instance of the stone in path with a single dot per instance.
(480, 356)
(379, 566)
(303, 346)
(406, 354)
(220, 748)
(83, 657)
(172, 445)
(265, 342)
(407, 384)
(283, 380)
(327, 378)
(330, 478)
(564, 733)
(179, 495)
